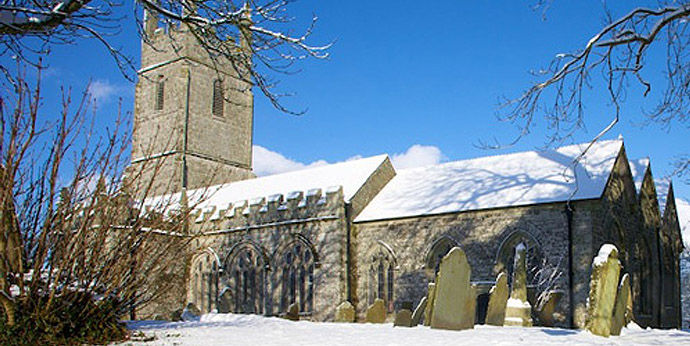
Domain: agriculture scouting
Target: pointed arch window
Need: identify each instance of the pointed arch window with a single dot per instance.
(218, 98)
(160, 93)
(538, 269)
(246, 271)
(297, 278)
(440, 248)
(382, 277)
(205, 284)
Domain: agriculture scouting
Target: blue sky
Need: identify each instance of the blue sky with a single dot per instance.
(404, 73)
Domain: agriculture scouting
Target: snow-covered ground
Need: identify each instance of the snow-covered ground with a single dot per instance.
(229, 329)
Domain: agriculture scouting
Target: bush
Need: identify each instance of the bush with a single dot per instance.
(73, 319)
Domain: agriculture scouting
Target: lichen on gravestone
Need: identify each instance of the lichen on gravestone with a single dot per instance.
(376, 313)
(429, 310)
(498, 298)
(618, 319)
(453, 306)
(345, 312)
(603, 290)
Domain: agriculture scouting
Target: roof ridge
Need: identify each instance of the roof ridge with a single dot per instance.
(508, 154)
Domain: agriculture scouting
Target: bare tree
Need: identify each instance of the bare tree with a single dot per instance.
(619, 53)
(30, 28)
(70, 233)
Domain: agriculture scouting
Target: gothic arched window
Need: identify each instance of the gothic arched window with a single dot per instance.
(205, 284)
(218, 98)
(297, 277)
(537, 269)
(160, 93)
(382, 277)
(246, 276)
(437, 252)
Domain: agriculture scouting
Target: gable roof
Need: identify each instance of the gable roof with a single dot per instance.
(523, 178)
(351, 175)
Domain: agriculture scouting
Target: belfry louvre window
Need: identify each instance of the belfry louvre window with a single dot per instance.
(160, 94)
(218, 98)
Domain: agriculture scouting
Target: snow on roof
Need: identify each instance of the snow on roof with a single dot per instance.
(638, 168)
(496, 181)
(662, 188)
(351, 175)
(683, 208)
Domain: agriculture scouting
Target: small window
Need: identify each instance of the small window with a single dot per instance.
(160, 93)
(218, 98)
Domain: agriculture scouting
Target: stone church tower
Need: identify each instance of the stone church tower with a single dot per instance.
(193, 119)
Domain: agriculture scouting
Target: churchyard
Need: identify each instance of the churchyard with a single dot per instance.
(446, 314)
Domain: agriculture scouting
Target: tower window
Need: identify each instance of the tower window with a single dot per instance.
(160, 93)
(218, 98)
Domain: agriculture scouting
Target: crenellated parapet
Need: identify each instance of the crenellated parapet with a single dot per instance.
(277, 209)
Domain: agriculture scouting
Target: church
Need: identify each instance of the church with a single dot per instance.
(362, 229)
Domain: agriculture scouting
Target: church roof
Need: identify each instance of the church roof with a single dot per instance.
(523, 178)
(351, 175)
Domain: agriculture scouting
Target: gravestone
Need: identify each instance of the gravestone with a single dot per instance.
(419, 312)
(225, 301)
(190, 313)
(498, 298)
(345, 312)
(454, 302)
(518, 308)
(292, 313)
(429, 310)
(546, 309)
(603, 288)
(618, 320)
(403, 318)
(376, 313)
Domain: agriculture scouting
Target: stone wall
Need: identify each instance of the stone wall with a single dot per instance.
(218, 148)
(483, 235)
(271, 225)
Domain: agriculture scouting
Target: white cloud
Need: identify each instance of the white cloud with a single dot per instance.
(102, 90)
(417, 156)
(267, 162)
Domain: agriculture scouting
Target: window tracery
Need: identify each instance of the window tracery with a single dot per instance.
(297, 277)
(382, 277)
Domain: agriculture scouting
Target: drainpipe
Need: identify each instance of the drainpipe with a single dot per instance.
(186, 130)
(348, 252)
(571, 272)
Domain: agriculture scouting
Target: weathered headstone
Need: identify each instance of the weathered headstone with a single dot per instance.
(547, 307)
(403, 318)
(190, 313)
(376, 313)
(419, 312)
(345, 312)
(429, 310)
(498, 298)
(603, 287)
(292, 313)
(518, 308)
(618, 320)
(453, 306)
(225, 301)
